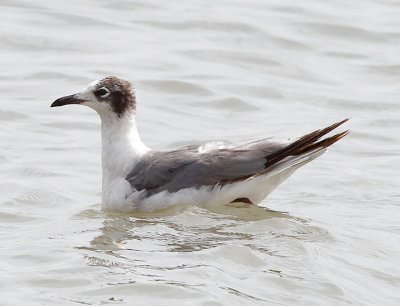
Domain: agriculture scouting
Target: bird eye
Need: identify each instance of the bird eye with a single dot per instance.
(102, 92)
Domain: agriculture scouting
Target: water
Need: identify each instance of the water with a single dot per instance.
(203, 70)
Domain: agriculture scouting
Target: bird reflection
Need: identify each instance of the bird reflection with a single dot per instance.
(180, 229)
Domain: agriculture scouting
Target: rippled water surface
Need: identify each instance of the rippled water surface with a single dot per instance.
(203, 70)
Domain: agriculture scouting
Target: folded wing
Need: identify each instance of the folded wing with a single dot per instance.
(190, 167)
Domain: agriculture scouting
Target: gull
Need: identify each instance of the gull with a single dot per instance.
(137, 178)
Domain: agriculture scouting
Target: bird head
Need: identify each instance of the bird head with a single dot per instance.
(109, 96)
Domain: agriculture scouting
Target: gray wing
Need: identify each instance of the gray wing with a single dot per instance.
(186, 167)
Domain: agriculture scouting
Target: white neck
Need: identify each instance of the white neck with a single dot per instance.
(121, 146)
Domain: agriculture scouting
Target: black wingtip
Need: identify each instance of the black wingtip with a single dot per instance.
(308, 143)
(322, 144)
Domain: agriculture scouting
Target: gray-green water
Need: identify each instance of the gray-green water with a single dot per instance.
(203, 70)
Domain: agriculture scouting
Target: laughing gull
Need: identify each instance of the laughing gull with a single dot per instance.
(136, 177)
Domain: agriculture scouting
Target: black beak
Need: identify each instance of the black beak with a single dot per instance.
(72, 99)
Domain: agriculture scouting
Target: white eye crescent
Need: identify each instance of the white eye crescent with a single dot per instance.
(102, 92)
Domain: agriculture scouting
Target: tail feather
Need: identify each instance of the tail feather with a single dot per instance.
(307, 144)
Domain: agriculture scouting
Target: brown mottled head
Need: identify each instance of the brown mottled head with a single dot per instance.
(109, 95)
